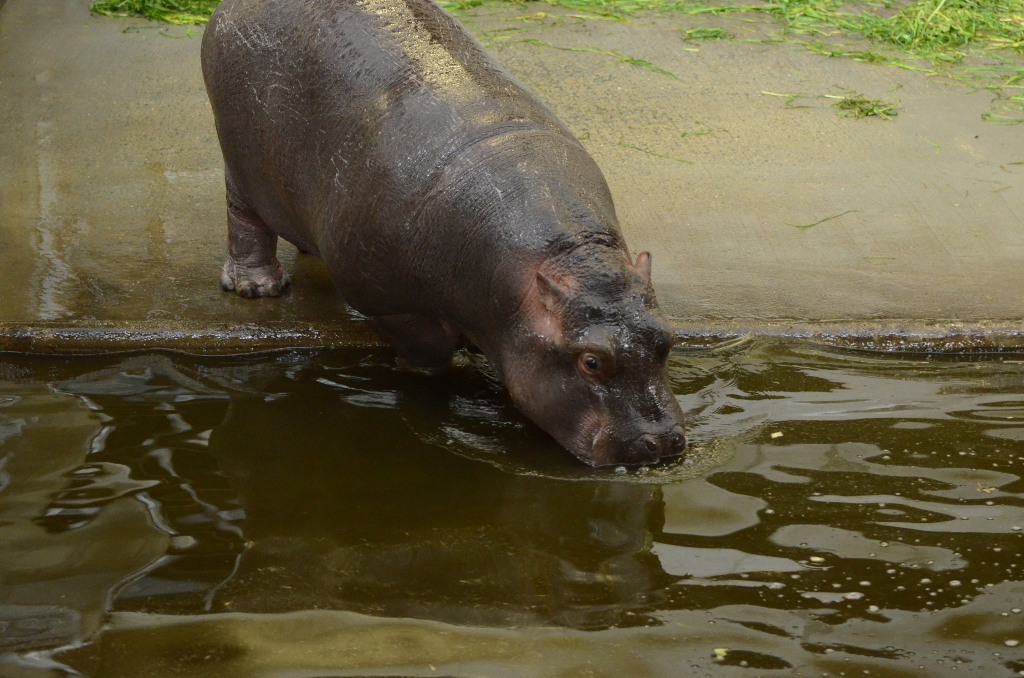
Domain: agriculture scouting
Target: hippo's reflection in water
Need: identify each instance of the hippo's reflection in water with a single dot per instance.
(364, 510)
(436, 536)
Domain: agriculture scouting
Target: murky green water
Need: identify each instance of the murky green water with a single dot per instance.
(317, 514)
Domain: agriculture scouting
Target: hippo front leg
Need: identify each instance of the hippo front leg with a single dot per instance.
(252, 269)
(423, 344)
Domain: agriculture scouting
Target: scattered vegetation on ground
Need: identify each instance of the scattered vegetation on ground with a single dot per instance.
(938, 37)
(859, 106)
(596, 50)
(936, 30)
(852, 105)
(178, 12)
(706, 34)
(975, 42)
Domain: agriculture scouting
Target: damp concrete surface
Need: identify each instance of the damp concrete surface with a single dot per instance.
(112, 213)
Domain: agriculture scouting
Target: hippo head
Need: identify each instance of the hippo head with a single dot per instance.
(589, 364)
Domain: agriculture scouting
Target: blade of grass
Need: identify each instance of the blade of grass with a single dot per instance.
(938, 148)
(804, 227)
(597, 50)
(788, 97)
(656, 155)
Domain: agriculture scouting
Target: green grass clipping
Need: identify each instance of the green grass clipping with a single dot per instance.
(938, 30)
(931, 36)
(177, 12)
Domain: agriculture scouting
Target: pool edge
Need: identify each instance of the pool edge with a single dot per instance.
(889, 336)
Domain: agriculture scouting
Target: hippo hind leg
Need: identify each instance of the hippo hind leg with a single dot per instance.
(251, 269)
(423, 344)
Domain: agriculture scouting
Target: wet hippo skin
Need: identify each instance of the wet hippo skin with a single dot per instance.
(447, 202)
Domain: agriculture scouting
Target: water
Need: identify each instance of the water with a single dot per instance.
(320, 514)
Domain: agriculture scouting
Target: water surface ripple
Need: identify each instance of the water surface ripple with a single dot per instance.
(310, 513)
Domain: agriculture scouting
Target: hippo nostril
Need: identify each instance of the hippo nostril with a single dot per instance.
(676, 440)
(643, 450)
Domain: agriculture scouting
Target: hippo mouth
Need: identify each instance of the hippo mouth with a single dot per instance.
(650, 448)
(605, 449)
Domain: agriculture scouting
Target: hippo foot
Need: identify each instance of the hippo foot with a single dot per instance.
(252, 282)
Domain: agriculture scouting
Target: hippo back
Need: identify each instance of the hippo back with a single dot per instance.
(337, 117)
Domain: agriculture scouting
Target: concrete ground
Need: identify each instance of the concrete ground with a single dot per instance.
(112, 220)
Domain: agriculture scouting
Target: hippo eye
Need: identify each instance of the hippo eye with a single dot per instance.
(595, 365)
(591, 364)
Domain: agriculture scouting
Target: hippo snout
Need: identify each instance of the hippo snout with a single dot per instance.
(649, 447)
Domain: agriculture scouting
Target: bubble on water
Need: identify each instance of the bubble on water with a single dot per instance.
(955, 582)
(1011, 643)
(926, 580)
(853, 595)
(183, 541)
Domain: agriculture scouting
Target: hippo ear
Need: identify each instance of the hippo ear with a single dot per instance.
(552, 293)
(643, 265)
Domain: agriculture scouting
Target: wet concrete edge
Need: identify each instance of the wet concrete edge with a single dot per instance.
(185, 338)
(891, 336)
(883, 336)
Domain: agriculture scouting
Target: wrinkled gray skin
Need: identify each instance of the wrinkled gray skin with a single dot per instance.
(446, 201)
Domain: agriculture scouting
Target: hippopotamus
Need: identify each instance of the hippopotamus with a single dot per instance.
(447, 203)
